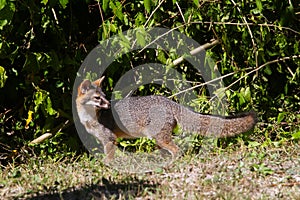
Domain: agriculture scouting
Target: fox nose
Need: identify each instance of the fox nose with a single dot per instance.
(105, 100)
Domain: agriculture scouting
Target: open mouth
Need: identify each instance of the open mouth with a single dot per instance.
(104, 103)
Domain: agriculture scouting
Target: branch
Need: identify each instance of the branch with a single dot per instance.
(206, 83)
(263, 65)
(45, 136)
(233, 73)
(197, 50)
(41, 138)
(153, 12)
(250, 32)
(248, 24)
(180, 12)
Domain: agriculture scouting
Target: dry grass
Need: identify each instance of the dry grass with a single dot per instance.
(245, 173)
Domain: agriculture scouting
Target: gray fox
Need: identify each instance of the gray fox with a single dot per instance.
(148, 116)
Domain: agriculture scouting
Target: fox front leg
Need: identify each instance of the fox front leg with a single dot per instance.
(106, 137)
(109, 151)
(108, 140)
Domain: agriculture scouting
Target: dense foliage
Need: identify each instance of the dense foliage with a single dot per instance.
(43, 44)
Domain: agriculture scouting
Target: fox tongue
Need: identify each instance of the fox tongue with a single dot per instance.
(106, 106)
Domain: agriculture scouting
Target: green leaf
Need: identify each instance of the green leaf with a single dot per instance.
(124, 42)
(3, 76)
(2, 4)
(259, 5)
(296, 135)
(268, 70)
(147, 5)
(241, 99)
(197, 3)
(39, 97)
(6, 14)
(140, 19)
(113, 28)
(44, 2)
(43, 101)
(247, 94)
(280, 117)
(253, 144)
(161, 56)
(64, 3)
(105, 5)
(140, 36)
(48, 107)
(117, 9)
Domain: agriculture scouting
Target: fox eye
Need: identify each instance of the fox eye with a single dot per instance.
(97, 97)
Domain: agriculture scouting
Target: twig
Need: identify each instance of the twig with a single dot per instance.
(45, 136)
(197, 50)
(41, 139)
(250, 32)
(263, 65)
(159, 37)
(235, 72)
(247, 24)
(153, 12)
(55, 17)
(101, 14)
(134, 42)
(206, 83)
(180, 12)
(289, 69)
(217, 23)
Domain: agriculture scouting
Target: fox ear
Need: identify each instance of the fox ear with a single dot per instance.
(98, 81)
(84, 87)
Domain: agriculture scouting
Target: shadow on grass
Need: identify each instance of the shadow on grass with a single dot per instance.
(106, 190)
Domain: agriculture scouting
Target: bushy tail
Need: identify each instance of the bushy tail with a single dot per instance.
(212, 125)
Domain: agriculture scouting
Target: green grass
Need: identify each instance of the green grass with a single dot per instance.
(234, 173)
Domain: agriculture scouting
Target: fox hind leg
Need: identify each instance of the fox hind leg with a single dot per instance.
(164, 141)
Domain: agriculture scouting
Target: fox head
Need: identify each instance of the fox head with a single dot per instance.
(90, 94)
